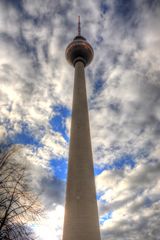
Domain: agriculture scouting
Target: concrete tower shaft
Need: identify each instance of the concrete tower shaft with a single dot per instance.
(81, 214)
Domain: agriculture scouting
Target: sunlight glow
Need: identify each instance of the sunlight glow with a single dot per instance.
(51, 227)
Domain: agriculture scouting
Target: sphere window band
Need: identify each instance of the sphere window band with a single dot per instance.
(79, 50)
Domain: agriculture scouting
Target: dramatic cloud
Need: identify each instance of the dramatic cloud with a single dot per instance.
(134, 202)
(123, 84)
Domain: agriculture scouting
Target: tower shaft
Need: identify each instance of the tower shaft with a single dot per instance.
(81, 214)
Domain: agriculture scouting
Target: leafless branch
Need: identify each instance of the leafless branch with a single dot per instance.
(18, 204)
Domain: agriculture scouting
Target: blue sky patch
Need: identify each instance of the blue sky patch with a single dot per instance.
(104, 7)
(97, 169)
(63, 110)
(15, 3)
(99, 195)
(106, 217)
(115, 107)
(118, 164)
(147, 202)
(125, 9)
(25, 138)
(26, 46)
(98, 86)
(59, 167)
(126, 160)
(99, 40)
(58, 121)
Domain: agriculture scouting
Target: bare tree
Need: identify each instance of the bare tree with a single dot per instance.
(18, 204)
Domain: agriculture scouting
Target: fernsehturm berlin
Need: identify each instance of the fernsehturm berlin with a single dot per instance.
(81, 213)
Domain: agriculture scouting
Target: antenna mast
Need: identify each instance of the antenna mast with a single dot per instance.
(79, 26)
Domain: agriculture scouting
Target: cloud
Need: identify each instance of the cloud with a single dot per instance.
(123, 92)
(132, 197)
(51, 227)
(124, 109)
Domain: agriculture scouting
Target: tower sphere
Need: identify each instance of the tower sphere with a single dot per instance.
(79, 50)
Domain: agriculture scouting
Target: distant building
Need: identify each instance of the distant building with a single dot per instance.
(81, 214)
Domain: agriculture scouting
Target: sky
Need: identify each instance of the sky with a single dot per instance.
(123, 86)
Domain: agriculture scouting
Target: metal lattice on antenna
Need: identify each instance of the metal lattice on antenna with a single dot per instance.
(79, 26)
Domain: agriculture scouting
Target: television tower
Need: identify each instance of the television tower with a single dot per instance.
(81, 213)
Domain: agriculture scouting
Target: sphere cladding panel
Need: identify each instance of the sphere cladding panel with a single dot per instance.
(79, 49)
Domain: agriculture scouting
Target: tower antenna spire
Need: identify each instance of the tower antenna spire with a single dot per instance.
(79, 26)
